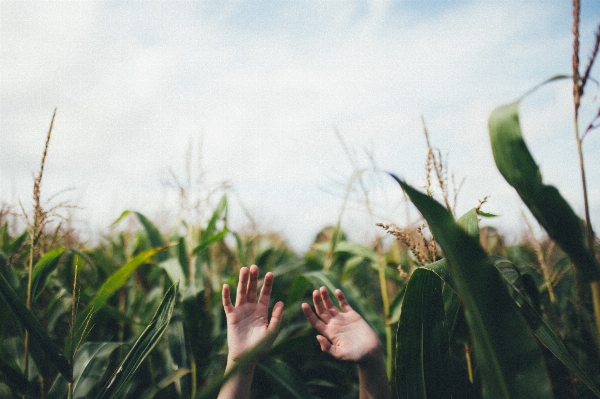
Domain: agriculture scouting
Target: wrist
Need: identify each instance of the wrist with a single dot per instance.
(372, 357)
(242, 363)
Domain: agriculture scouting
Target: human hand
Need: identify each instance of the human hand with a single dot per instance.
(248, 322)
(345, 334)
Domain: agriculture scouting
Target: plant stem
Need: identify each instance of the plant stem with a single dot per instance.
(577, 93)
(386, 310)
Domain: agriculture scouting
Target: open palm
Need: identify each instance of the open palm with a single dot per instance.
(345, 334)
(248, 321)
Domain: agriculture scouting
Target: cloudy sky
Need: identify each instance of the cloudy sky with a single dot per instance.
(255, 91)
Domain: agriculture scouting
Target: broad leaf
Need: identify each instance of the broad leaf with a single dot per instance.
(89, 366)
(510, 362)
(422, 360)
(546, 204)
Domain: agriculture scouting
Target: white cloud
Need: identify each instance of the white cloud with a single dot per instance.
(134, 81)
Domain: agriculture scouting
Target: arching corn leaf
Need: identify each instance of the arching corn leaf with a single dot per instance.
(509, 360)
(515, 163)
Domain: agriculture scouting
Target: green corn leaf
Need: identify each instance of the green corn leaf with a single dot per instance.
(540, 327)
(208, 241)
(142, 347)
(213, 386)
(219, 213)
(14, 377)
(182, 256)
(470, 223)
(84, 319)
(283, 379)
(510, 362)
(36, 330)
(9, 274)
(165, 382)
(422, 359)
(516, 164)
(43, 268)
(89, 367)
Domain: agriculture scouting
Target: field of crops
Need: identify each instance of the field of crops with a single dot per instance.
(459, 313)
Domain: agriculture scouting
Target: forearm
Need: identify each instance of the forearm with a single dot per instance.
(372, 377)
(238, 385)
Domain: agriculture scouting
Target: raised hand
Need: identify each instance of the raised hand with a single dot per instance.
(248, 325)
(248, 321)
(345, 334)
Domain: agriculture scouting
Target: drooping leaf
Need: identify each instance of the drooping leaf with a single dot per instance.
(142, 347)
(422, 359)
(510, 362)
(515, 163)
(36, 330)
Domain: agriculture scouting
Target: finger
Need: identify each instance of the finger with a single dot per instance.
(343, 301)
(276, 317)
(320, 307)
(313, 319)
(227, 305)
(325, 344)
(331, 308)
(267, 288)
(242, 287)
(252, 284)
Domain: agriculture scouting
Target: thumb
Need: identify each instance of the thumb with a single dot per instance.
(325, 344)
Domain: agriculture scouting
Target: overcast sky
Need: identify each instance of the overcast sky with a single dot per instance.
(258, 90)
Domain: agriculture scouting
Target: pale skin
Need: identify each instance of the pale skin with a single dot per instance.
(248, 325)
(346, 336)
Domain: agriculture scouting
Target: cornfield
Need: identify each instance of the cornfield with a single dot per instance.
(459, 313)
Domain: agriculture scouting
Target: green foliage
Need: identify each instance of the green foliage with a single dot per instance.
(550, 209)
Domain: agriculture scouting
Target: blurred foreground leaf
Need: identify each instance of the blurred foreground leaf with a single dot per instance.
(510, 362)
(422, 360)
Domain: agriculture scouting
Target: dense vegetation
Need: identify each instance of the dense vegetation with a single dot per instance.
(460, 314)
